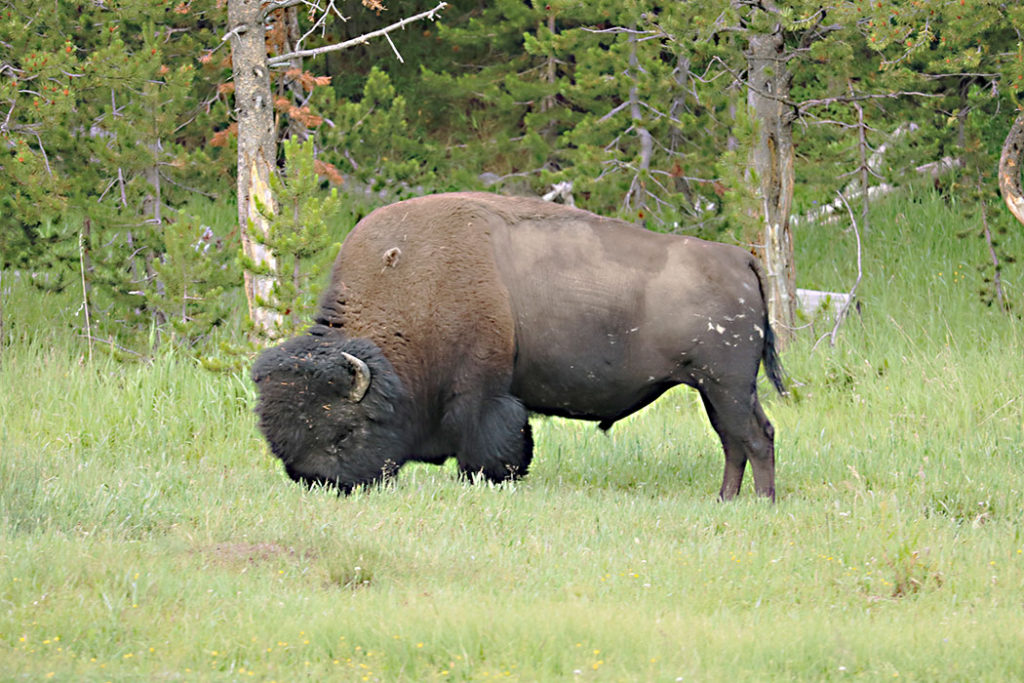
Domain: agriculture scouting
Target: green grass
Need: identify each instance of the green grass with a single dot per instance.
(146, 534)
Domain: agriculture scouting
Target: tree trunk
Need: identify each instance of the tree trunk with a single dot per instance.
(636, 198)
(153, 213)
(863, 161)
(677, 137)
(767, 92)
(1009, 168)
(257, 151)
(547, 103)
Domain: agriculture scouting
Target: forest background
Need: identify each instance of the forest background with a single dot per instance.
(119, 129)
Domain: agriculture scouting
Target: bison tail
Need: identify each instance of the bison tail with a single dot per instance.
(770, 355)
(770, 358)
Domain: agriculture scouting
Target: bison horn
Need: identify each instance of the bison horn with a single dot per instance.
(362, 378)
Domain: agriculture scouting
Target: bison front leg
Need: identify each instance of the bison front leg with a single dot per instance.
(495, 439)
(746, 434)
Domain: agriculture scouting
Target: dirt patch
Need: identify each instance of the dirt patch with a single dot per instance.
(250, 554)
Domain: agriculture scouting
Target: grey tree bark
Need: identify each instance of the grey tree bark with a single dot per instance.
(1010, 166)
(257, 151)
(636, 199)
(768, 89)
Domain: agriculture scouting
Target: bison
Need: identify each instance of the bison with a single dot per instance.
(450, 318)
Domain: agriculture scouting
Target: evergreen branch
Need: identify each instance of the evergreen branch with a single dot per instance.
(926, 34)
(172, 181)
(801, 107)
(359, 40)
(817, 31)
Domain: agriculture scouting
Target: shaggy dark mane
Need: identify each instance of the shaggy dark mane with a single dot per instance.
(297, 413)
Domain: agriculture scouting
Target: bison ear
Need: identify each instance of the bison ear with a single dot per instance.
(360, 377)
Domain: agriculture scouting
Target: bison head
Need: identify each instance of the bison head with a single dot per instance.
(329, 408)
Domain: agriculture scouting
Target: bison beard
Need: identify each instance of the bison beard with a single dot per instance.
(450, 318)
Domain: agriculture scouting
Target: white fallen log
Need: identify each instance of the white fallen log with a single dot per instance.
(817, 304)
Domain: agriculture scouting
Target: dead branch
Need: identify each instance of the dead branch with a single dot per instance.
(997, 279)
(850, 297)
(844, 311)
(359, 40)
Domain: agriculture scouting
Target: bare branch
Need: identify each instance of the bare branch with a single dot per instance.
(860, 272)
(46, 159)
(639, 35)
(394, 49)
(849, 99)
(997, 279)
(614, 111)
(833, 122)
(234, 33)
(280, 4)
(359, 40)
(321, 22)
(845, 310)
(965, 74)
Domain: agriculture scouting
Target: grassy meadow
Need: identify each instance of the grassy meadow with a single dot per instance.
(147, 534)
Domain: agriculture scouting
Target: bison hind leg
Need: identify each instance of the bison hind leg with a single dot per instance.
(496, 440)
(746, 435)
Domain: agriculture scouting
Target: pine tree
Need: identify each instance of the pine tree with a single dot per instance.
(299, 236)
(195, 268)
(626, 150)
(108, 117)
(492, 97)
(369, 140)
